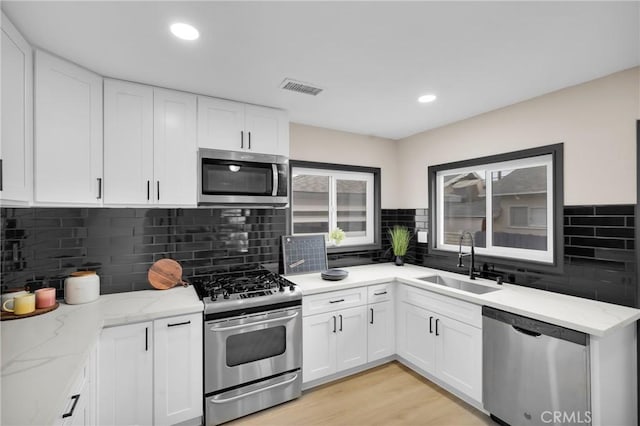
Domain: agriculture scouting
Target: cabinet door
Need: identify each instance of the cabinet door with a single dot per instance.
(318, 346)
(351, 348)
(267, 130)
(415, 334)
(175, 153)
(16, 143)
(68, 133)
(221, 124)
(459, 356)
(381, 327)
(128, 143)
(177, 369)
(125, 377)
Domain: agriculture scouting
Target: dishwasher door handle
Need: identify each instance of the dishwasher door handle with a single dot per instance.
(527, 332)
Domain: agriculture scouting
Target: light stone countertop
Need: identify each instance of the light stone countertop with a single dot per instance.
(42, 355)
(589, 316)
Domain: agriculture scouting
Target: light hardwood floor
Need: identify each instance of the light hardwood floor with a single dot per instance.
(387, 395)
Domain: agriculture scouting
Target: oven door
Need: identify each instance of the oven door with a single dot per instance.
(243, 349)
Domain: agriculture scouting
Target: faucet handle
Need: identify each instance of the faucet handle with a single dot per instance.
(460, 265)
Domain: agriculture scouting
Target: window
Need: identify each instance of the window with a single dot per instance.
(324, 198)
(510, 204)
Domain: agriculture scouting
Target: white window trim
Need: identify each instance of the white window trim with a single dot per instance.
(335, 175)
(491, 250)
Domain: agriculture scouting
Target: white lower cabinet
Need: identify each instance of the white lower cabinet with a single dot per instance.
(177, 375)
(125, 379)
(151, 372)
(333, 342)
(80, 409)
(415, 342)
(447, 348)
(381, 340)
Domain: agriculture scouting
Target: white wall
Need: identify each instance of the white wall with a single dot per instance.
(310, 143)
(595, 120)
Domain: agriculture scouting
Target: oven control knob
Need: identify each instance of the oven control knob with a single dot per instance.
(292, 287)
(281, 287)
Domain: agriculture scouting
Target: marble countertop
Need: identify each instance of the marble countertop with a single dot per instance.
(589, 316)
(42, 355)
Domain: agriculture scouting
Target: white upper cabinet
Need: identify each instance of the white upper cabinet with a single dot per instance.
(234, 126)
(150, 145)
(16, 143)
(175, 154)
(68, 133)
(128, 143)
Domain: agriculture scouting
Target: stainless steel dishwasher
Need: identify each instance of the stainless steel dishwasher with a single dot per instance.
(534, 373)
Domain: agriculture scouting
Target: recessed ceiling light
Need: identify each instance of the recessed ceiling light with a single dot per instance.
(184, 31)
(424, 99)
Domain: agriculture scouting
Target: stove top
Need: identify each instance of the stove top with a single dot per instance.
(230, 292)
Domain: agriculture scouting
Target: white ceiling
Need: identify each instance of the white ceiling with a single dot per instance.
(372, 58)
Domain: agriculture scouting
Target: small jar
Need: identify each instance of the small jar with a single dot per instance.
(81, 287)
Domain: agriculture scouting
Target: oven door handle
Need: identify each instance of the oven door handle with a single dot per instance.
(255, 391)
(251, 324)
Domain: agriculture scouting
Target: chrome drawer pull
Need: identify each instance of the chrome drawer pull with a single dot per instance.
(253, 392)
(380, 293)
(336, 301)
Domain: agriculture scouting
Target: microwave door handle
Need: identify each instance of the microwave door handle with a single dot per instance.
(274, 169)
(251, 324)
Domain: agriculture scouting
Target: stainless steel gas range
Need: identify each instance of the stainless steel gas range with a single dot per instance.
(252, 344)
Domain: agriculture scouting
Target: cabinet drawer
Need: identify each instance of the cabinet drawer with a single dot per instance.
(327, 302)
(444, 305)
(380, 293)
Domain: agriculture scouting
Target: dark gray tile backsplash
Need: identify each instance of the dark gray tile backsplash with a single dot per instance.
(43, 245)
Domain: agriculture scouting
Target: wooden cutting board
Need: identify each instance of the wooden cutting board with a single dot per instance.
(165, 274)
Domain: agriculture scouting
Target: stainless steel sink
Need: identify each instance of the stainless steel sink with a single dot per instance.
(460, 285)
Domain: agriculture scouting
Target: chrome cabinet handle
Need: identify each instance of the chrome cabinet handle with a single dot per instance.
(253, 392)
(148, 190)
(380, 293)
(146, 339)
(371, 316)
(334, 323)
(75, 398)
(437, 321)
(241, 138)
(249, 140)
(158, 192)
(430, 325)
(336, 301)
(251, 324)
(179, 323)
(340, 321)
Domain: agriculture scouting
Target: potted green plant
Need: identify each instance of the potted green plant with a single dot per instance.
(400, 237)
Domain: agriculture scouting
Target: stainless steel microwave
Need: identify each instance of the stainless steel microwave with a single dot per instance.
(231, 178)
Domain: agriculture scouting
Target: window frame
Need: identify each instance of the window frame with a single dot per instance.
(503, 255)
(342, 170)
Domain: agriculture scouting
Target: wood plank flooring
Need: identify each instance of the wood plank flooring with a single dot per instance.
(387, 395)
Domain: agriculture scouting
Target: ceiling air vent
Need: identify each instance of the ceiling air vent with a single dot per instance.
(297, 86)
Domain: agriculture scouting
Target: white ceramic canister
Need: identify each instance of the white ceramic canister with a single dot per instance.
(81, 287)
